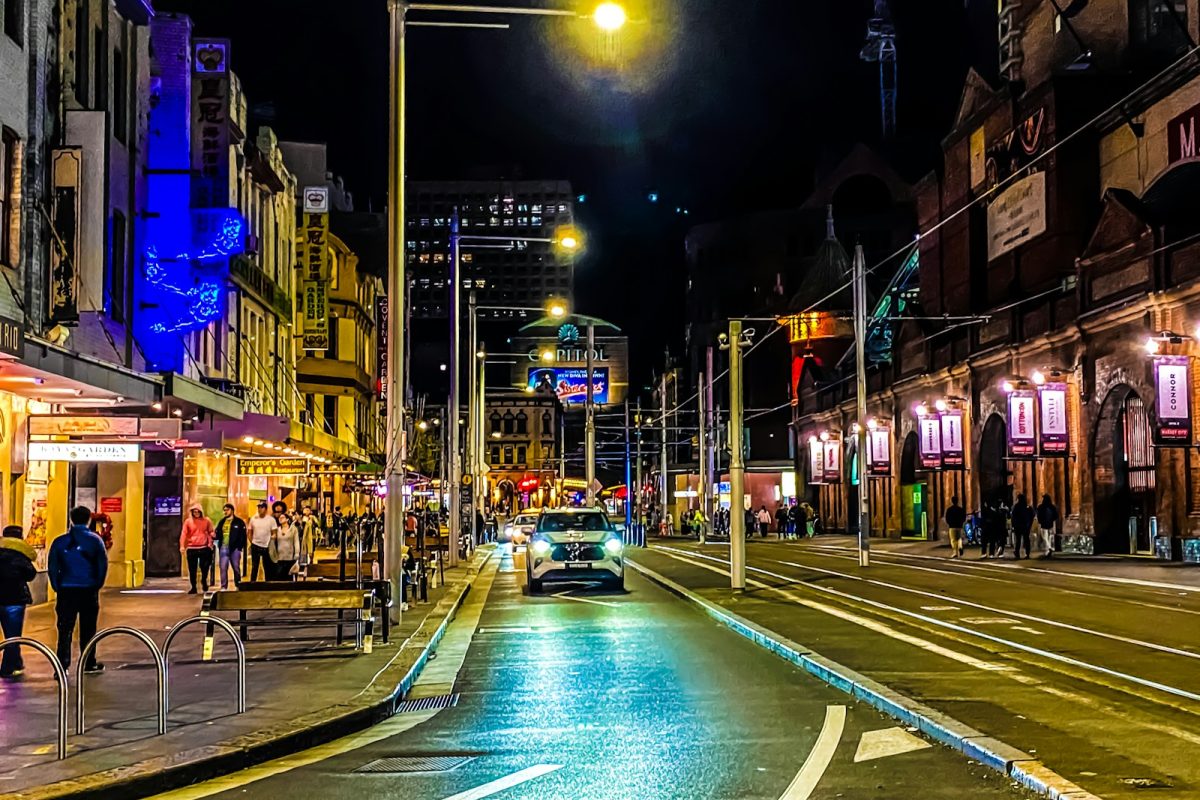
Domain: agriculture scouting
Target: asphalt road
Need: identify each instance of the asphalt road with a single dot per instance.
(1088, 667)
(590, 695)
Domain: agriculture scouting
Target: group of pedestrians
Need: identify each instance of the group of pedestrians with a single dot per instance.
(998, 524)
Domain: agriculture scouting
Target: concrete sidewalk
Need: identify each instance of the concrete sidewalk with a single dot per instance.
(299, 691)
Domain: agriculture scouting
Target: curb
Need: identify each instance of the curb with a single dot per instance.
(374, 704)
(1015, 764)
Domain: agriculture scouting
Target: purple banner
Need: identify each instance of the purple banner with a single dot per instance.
(953, 451)
(879, 453)
(832, 463)
(1022, 423)
(929, 438)
(1054, 434)
(816, 461)
(1172, 383)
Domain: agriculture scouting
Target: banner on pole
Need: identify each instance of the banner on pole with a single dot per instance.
(929, 433)
(1022, 424)
(1053, 399)
(953, 450)
(816, 461)
(879, 452)
(1172, 385)
(832, 466)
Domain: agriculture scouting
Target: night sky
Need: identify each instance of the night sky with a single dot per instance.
(719, 106)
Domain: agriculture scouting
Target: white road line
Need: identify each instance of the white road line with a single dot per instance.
(1027, 630)
(1162, 648)
(810, 774)
(567, 596)
(507, 782)
(1162, 687)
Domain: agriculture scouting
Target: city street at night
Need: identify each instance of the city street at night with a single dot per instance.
(592, 695)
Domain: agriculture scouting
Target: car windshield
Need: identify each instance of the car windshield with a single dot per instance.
(556, 523)
(525, 519)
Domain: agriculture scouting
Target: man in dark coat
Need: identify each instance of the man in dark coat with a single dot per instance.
(16, 571)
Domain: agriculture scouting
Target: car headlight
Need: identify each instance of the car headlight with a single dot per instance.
(540, 548)
(614, 546)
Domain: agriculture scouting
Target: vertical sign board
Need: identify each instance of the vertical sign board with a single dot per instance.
(929, 440)
(316, 261)
(381, 350)
(831, 465)
(1022, 424)
(210, 123)
(953, 452)
(816, 461)
(62, 295)
(879, 453)
(1172, 376)
(1053, 399)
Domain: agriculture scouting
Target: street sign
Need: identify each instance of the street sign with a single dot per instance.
(467, 479)
(466, 495)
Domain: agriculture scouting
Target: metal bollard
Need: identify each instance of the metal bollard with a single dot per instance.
(60, 674)
(160, 669)
(237, 643)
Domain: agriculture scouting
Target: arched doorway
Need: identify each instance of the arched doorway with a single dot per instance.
(1124, 474)
(913, 491)
(506, 497)
(993, 465)
(852, 486)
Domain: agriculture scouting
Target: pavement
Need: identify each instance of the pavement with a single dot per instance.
(584, 694)
(301, 688)
(1087, 663)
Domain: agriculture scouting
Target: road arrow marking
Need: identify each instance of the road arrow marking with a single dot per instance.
(806, 779)
(887, 742)
(507, 782)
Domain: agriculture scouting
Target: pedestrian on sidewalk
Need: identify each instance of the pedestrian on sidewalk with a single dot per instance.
(77, 566)
(231, 543)
(781, 516)
(956, 519)
(262, 533)
(310, 534)
(1047, 517)
(16, 571)
(995, 529)
(285, 550)
(1022, 523)
(764, 521)
(793, 521)
(196, 543)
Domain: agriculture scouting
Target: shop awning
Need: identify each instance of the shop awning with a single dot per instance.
(57, 375)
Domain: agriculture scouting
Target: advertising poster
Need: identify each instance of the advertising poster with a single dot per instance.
(831, 467)
(1173, 406)
(1053, 397)
(816, 461)
(1022, 424)
(879, 453)
(571, 384)
(929, 441)
(953, 451)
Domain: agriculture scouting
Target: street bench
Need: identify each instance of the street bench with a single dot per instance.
(296, 597)
(382, 590)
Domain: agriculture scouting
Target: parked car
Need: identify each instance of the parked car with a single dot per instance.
(518, 529)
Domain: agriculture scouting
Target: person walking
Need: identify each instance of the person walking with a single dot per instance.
(196, 542)
(1047, 517)
(77, 566)
(16, 571)
(262, 533)
(310, 534)
(781, 516)
(764, 521)
(956, 519)
(1022, 522)
(285, 549)
(994, 530)
(231, 544)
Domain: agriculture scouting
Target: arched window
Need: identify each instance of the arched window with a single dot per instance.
(510, 422)
(546, 423)
(522, 423)
(495, 422)
(521, 453)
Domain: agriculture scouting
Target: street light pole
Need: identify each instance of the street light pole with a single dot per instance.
(637, 418)
(860, 449)
(589, 431)
(712, 502)
(705, 477)
(453, 465)
(737, 464)
(473, 448)
(396, 456)
(666, 483)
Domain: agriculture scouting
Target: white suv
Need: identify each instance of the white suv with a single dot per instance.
(575, 544)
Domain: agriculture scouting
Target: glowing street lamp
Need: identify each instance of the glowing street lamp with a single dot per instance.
(609, 16)
(548, 356)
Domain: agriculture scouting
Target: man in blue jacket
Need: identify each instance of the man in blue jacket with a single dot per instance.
(77, 565)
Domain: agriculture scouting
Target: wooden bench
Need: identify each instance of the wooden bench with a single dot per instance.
(381, 589)
(298, 597)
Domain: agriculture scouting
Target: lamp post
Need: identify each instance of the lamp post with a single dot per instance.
(589, 430)
(608, 16)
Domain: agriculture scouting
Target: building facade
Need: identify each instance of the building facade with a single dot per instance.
(1063, 362)
(523, 450)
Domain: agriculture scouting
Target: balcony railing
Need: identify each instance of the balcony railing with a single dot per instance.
(252, 277)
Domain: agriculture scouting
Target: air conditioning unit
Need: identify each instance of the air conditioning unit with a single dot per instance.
(251, 243)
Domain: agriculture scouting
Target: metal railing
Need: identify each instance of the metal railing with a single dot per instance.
(207, 654)
(160, 668)
(60, 675)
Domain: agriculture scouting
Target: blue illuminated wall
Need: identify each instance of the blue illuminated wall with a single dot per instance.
(184, 269)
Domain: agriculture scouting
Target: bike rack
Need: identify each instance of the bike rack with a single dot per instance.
(208, 643)
(60, 674)
(160, 668)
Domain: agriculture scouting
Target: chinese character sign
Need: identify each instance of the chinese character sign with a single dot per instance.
(315, 255)
(1053, 399)
(953, 452)
(1172, 383)
(816, 461)
(1022, 424)
(831, 466)
(879, 453)
(251, 467)
(210, 123)
(929, 441)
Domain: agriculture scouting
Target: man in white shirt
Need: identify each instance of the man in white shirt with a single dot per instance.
(262, 530)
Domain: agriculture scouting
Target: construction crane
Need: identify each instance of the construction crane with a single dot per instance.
(881, 48)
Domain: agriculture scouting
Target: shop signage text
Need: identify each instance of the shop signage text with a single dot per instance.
(879, 453)
(1053, 399)
(1172, 376)
(929, 440)
(1022, 423)
(84, 426)
(210, 126)
(1181, 136)
(1017, 215)
(953, 450)
(316, 261)
(12, 337)
(266, 467)
(83, 451)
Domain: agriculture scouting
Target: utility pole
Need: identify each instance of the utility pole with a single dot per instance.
(453, 465)
(860, 449)
(628, 479)
(396, 455)
(702, 458)
(737, 464)
(665, 500)
(714, 432)
(589, 431)
(473, 412)
(638, 467)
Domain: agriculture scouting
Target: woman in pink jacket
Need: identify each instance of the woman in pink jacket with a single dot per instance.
(196, 541)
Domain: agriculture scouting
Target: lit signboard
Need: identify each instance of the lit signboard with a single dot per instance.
(83, 451)
(272, 466)
(571, 384)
